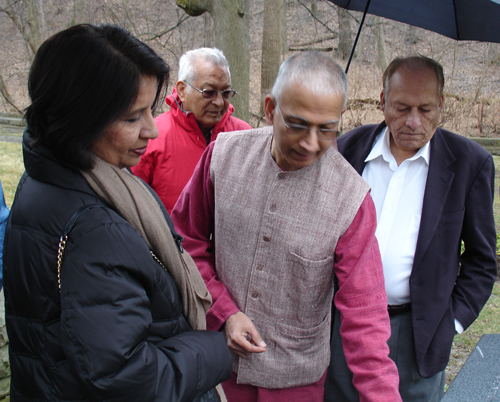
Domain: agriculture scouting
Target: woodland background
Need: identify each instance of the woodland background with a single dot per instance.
(256, 35)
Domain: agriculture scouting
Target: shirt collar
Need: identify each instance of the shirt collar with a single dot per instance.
(381, 147)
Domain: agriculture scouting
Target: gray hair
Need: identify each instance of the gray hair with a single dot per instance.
(186, 62)
(413, 64)
(322, 74)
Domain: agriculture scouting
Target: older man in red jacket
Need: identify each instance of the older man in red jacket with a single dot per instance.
(199, 111)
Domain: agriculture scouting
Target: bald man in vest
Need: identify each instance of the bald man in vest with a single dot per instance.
(269, 216)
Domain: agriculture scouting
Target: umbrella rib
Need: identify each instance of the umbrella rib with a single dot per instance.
(455, 15)
(357, 36)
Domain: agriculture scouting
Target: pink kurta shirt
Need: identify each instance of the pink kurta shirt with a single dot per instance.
(361, 297)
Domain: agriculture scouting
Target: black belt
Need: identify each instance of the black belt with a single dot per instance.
(400, 309)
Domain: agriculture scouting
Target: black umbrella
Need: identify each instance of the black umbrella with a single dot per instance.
(457, 19)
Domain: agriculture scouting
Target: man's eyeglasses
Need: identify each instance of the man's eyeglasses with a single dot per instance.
(324, 134)
(212, 93)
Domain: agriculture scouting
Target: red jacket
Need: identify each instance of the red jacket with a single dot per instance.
(170, 159)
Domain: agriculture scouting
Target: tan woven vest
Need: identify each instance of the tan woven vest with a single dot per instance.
(275, 237)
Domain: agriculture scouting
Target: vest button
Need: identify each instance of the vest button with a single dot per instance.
(266, 239)
(272, 208)
(255, 295)
(260, 267)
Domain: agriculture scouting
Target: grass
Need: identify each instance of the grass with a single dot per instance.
(11, 168)
(496, 202)
(488, 321)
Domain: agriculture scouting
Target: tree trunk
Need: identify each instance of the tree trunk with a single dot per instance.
(208, 24)
(410, 39)
(43, 21)
(272, 37)
(33, 36)
(5, 93)
(79, 13)
(494, 53)
(284, 32)
(231, 25)
(381, 54)
(345, 35)
(28, 28)
(314, 7)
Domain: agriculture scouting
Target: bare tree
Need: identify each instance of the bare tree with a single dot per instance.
(272, 38)
(345, 35)
(28, 18)
(231, 36)
(493, 53)
(284, 31)
(24, 16)
(314, 7)
(5, 93)
(410, 39)
(382, 61)
(25, 24)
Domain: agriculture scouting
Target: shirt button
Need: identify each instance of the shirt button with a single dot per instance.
(272, 208)
(255, 295)
(266, 239)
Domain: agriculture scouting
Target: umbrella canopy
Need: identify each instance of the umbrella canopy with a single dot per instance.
(457, 19)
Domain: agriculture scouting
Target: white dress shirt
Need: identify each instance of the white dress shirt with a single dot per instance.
(398, 194)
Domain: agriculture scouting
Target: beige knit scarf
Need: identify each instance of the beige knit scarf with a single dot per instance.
(128, 196)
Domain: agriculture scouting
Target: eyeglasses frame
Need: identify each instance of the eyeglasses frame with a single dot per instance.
(319, 132)
(204, 91)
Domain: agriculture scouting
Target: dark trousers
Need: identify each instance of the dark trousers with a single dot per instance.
(413, 388)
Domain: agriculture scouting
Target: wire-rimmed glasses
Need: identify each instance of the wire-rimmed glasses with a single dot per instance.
(212, 93)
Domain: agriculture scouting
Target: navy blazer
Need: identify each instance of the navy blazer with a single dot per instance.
(458, 205)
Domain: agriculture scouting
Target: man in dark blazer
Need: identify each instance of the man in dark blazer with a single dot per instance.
(446, 183)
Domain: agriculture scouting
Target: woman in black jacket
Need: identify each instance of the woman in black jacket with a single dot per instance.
(101, 301)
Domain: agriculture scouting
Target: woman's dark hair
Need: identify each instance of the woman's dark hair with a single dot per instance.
(83, 79)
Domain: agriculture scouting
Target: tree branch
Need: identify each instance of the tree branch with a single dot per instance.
(321, 22)
(332, 5)
(6, 95)
(310, 49)
(313, 42)
(169, 29)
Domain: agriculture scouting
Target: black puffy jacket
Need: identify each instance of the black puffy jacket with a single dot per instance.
(116, 330)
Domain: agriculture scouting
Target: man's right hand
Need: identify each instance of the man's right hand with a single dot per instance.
(242, 336)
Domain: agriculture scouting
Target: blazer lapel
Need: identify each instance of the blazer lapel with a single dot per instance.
(357, 152)
(439, 180)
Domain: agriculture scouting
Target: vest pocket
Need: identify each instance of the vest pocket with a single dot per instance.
(309, 289)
